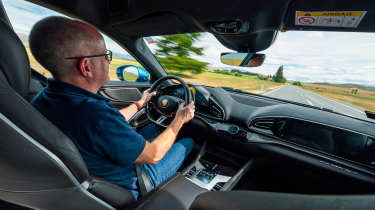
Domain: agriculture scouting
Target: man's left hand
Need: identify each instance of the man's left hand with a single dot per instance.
(146, 96)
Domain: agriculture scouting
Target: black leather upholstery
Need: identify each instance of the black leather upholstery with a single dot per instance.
(13, 60)
(177, 193)
(15, 75)
(117, 196)
(248, 200)
(20, 112)
(40, 166)
(34, 89)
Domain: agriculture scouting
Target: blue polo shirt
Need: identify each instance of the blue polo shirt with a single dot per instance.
(107, 143)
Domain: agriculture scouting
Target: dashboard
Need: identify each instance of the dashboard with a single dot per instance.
(205, 103)
(201, 94)
(240, 115)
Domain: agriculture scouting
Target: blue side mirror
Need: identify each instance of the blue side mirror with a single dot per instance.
(131, 73)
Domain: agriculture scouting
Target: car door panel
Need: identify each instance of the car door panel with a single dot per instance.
(123, 94)
(126, 94)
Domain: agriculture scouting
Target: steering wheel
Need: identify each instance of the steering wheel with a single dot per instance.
(161, 109)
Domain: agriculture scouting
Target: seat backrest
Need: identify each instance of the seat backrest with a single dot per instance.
(40, 166)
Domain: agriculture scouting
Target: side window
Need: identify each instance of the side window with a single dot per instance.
(123, 66)
(23, 15)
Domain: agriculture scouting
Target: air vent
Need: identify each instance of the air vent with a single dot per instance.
(212, 110)
(264, 123)
(269, 125)
(215, 110)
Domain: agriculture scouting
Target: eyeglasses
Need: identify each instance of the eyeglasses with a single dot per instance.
(108, 56)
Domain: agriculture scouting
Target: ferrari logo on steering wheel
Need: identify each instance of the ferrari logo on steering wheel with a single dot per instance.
(164, 102)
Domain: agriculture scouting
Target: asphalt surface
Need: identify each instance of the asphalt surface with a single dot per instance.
(296, 94)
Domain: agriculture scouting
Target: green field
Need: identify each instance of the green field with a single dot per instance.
(245, 82)
(364, 99)
(210, 78)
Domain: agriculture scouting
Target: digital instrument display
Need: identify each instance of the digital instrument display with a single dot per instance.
(200, 93)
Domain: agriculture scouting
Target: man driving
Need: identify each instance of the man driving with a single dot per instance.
(76, 55)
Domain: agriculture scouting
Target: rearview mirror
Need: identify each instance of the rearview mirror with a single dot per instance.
(243, 59)
(131, 73)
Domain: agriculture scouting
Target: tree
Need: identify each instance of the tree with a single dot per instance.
(279, 76)
(174, 52)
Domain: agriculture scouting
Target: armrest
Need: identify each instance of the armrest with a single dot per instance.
(113, 194)
(176, 193)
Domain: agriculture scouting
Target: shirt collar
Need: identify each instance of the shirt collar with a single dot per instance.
(56, 85)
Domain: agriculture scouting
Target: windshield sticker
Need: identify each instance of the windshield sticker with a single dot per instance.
(348, 19)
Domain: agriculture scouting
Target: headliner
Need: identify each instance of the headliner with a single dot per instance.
(139, 18)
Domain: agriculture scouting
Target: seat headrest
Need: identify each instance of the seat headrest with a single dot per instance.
(14, 63)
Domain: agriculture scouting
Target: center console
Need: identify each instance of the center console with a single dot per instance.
(207, 175)
(210, 171)
(212, 174)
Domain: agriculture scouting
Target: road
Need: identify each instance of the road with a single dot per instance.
(296, 94)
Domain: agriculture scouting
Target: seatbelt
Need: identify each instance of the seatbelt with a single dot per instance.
(143, 180)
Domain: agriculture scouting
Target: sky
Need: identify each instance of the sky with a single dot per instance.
(334, 57)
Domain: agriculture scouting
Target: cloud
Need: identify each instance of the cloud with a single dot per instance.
(23, 15)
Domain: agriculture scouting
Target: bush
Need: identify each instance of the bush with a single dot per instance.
(243, 72)
(226, 72)
(355, 91)
(297, 83)
(262, 77)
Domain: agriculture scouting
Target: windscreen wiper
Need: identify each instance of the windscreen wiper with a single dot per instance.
(233, 89)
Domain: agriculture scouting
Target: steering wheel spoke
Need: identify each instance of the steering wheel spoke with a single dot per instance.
(161, 119)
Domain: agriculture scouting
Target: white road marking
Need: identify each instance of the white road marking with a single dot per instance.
(308, 101)
(352, 108)
(274, 90)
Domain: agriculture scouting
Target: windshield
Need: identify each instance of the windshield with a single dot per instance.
(329, 70)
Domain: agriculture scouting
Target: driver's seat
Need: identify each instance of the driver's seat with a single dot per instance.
(40, 167)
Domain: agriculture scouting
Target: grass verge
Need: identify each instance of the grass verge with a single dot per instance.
(364, 100)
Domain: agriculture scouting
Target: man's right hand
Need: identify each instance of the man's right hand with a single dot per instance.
(185, 113)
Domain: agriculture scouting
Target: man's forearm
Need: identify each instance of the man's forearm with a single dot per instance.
(129, 111)
(155, 151)
(165, 140)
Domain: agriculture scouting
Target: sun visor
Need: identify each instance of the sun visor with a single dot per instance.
(156, 24)
(331, 15)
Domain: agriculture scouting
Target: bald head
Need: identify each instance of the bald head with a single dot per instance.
(52, 39)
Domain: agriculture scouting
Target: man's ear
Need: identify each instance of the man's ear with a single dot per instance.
(84, 67)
